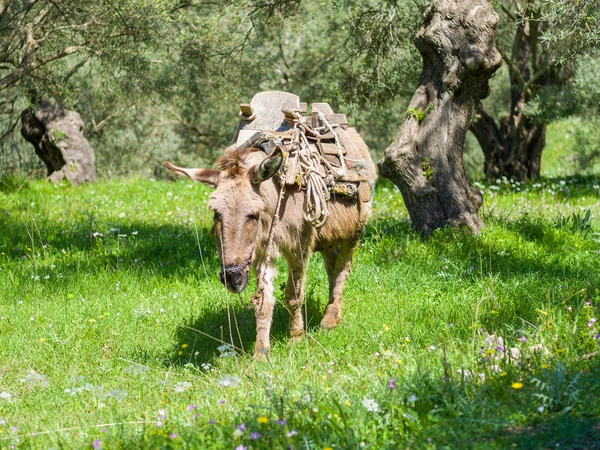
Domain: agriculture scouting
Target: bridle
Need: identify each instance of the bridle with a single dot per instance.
(236, 268)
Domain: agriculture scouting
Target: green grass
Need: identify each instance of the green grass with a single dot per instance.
(111, 313)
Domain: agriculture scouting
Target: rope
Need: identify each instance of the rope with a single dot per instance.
(263, 278)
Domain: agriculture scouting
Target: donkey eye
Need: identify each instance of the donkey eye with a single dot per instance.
(252, 217)
(217, 217)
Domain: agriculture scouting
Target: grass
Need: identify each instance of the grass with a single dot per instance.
(116, 333)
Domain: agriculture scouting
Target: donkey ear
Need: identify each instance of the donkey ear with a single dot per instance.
(209, 177)
(268, 167)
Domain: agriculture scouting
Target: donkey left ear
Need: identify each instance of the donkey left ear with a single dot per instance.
(209, 177)
(268, 167)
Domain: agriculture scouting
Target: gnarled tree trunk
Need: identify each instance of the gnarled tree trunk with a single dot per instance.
(57, 136)
(513, 147)
(458, 45)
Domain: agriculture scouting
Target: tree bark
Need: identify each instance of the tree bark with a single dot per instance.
(57, 136)
(457, 42)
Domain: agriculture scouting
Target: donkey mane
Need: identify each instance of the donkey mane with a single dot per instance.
(232, 162)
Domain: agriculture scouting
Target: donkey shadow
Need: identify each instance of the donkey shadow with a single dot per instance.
(230, 327)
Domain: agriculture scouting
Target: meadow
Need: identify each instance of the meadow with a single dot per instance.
(115, 332)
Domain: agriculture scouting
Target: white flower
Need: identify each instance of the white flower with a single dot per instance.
(370, 405)
(182, 386)
(5, 395)
(412, 398)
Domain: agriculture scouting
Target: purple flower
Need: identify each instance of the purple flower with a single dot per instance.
(500, 349)
(291, 433)
(211, 422)
(97, 443)
(14, 429)
(597, 336)
(280, 422)
(162, 414)
(451, 325)
(522, 338)
(220, 402)
(159, 424)
(563, 286)
(254, 435)
(190, 407)
(241, 447)
(242, 427)
(173, 435)
(429, 439)
(592, 322)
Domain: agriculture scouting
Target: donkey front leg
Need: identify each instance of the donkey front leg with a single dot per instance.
(263, 302)
(338, 263)
(294, 294)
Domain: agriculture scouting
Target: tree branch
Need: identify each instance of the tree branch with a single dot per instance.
(512, 67)
(26, 68)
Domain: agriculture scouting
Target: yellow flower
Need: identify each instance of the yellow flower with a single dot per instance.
(42, 340)
(544, 366)
(184, 346)
(398, 361)
(91, 320)
(385, 327)
(347, 402)
(327, 448)
(407, 339)
(503, 374)
(262, 419)
(516, 385)
(180, 353)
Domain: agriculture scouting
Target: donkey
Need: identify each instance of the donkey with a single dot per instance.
(244, 203)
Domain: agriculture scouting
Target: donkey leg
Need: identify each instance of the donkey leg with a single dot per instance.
(338, 262)
(263, 304)
(294, 294)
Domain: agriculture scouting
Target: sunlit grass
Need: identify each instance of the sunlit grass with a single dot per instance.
(115, 331)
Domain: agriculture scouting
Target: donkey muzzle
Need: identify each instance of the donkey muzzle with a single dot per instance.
(235, 278)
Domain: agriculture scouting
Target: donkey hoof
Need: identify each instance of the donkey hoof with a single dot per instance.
(261, 353)
(329, 322)
(296, 335)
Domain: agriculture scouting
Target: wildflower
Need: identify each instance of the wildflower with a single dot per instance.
(431, 348)
(544, 366)
(597, 336)
(254, 435)
(412, 399)
(220, 402)
(280, 422)
(262, 419)
(97, 443)
(370, 405)
(211, 422)
(392, 383)
(159, 423)
(291, 433)
(347, 402)
(592, 322)
(516, 385)
(241, 447)
(5, 395)
(522, 338)
(429, 439)
(241, 427)
(190, 407)
(173, 435)
(184, 346)
(385, 327)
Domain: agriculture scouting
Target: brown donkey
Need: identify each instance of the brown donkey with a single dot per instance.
(244, 204)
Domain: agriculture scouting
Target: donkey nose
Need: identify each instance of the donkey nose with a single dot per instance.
(234, 281)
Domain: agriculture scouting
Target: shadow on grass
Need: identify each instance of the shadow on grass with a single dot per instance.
(163, 250)
(213, 334)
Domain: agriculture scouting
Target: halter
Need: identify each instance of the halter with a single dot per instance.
(236, 268)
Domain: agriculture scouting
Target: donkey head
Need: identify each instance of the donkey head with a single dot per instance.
(237, 205)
